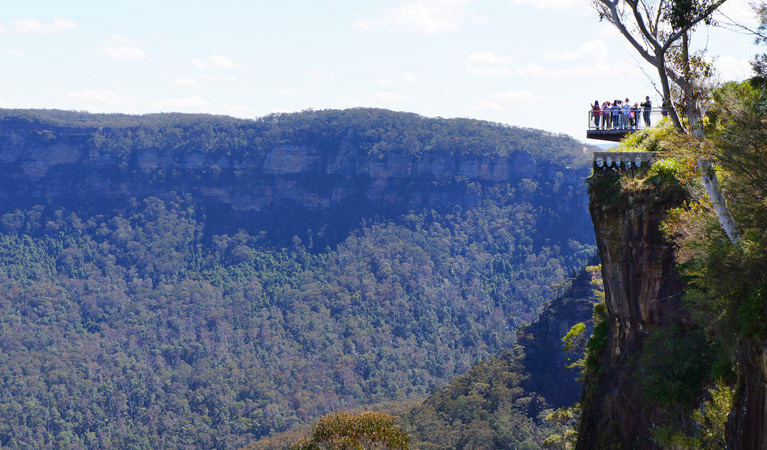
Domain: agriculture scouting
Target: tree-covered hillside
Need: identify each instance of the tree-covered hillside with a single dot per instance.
(504, 401)
(140, 321)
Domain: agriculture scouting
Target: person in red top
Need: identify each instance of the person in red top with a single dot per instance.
(595, 112)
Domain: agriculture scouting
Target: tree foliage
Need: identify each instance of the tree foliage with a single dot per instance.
(344, 431)
(656, 29)
(508, 401)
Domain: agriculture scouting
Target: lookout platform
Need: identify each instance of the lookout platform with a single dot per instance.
(614, 127)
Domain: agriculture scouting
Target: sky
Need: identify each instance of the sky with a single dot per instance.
(531, 63)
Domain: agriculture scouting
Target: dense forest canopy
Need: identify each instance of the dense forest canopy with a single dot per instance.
(376, 131)
(136, 322)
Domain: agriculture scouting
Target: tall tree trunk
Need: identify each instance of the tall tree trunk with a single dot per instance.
(706, 168)
(667, 93)
(714, 192)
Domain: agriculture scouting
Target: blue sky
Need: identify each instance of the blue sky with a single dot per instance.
(535, 63)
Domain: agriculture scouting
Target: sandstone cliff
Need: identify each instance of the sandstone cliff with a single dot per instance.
(272, 174)
(642, 293)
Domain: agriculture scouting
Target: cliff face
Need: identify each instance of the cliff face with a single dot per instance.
(746, 424)
(642, 293)
(285, 175)
(542, 343)
(250, 178)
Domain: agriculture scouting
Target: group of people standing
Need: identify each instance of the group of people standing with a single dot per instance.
(619, 115)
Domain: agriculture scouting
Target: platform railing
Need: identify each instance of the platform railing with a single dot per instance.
(618, 121)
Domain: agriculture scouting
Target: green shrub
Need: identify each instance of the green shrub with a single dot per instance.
(672, 366)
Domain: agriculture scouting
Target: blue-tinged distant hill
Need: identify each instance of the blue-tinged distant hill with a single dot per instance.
(189, 280)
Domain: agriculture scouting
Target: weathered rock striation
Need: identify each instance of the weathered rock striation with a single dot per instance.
(642, 293)
(259, 175)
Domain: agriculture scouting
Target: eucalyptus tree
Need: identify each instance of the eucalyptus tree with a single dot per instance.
(656, 29)
(760, 61)
(659, 30)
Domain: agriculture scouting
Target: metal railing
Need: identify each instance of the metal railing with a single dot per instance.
(618, 121)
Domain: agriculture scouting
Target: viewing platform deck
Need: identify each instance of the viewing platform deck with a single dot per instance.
(614, 127)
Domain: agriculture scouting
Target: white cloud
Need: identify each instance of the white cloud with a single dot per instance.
(732, 68)
(121, 47)
(422, 16)
(216, 78)
(184, 104)
(34, 26)
(591, 51)
(98, 100)
(505, 99)
(555, 5)
(490, 59)
(278, 110)
(489, 64)
(124, 52)
(235, 110)
(409, 77)
(185, 82)
(288, 91)
(608, 31)
(321, 75)
(535, 70)
(490, 71)
(738, 11)
(389, 98)
(105, 100)
(404, 77)
(11, 52)
(214, 62)
(380, 98)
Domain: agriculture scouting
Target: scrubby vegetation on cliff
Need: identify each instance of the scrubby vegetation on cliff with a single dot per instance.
(688, 370)
(504, 402)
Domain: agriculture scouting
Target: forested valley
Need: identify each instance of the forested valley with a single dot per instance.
(144, 306)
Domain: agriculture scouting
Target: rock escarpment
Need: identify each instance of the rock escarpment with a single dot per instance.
(290, 172)
(642, 293)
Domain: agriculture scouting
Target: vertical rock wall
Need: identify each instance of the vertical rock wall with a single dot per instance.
(641, 293)
(747, 424)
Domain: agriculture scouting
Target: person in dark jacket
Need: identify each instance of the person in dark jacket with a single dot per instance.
(646, 107)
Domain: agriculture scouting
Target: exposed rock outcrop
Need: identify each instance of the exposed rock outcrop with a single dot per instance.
(642, 293)
(746, 423)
